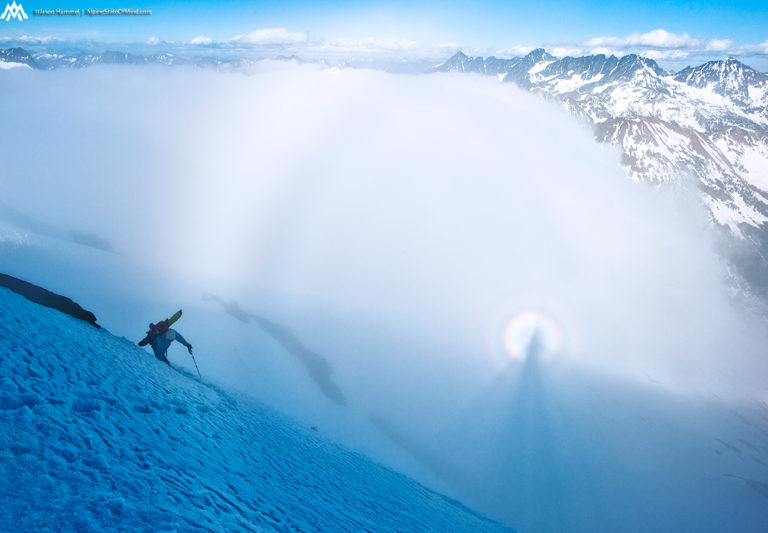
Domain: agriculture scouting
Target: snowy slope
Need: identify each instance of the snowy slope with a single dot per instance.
(98, 436)
(579, 453)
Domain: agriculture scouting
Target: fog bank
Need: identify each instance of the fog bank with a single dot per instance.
(438, 203)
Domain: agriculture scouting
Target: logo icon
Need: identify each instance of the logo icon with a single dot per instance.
(13, 11)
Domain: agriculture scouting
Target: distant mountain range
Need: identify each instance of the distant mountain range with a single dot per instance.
(707, 123)
(16, 57)
(76, 58)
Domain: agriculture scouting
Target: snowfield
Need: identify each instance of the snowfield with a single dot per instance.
(97, 435)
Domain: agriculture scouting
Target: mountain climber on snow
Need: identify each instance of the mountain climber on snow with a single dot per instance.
(160, 336)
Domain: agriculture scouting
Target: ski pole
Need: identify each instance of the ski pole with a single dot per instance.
(193, 360)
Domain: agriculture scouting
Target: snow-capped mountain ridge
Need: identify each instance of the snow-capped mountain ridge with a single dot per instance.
(726, 89)
(730, 78)
(76, 58)
(16, 56)
(610, 68)
(709, 122)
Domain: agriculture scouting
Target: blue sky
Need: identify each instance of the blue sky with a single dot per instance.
(709, 28)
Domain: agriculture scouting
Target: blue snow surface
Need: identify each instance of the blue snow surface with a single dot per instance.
(97, 435)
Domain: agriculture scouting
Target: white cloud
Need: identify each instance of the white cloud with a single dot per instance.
(370, 44)
(602, 50)
(761, 48)
(153, 40)
(601, 41)
(516, 51)
(201, 40)
(32, 39)
(562, 51)
(656, 38)
(719, 44)
(448, 46)
(392, 46)
(660, 55)
(661, 44)
(271, 36)
(662, 39)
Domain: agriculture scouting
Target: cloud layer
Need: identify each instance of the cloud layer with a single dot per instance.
(434, 201)
(660, 44)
